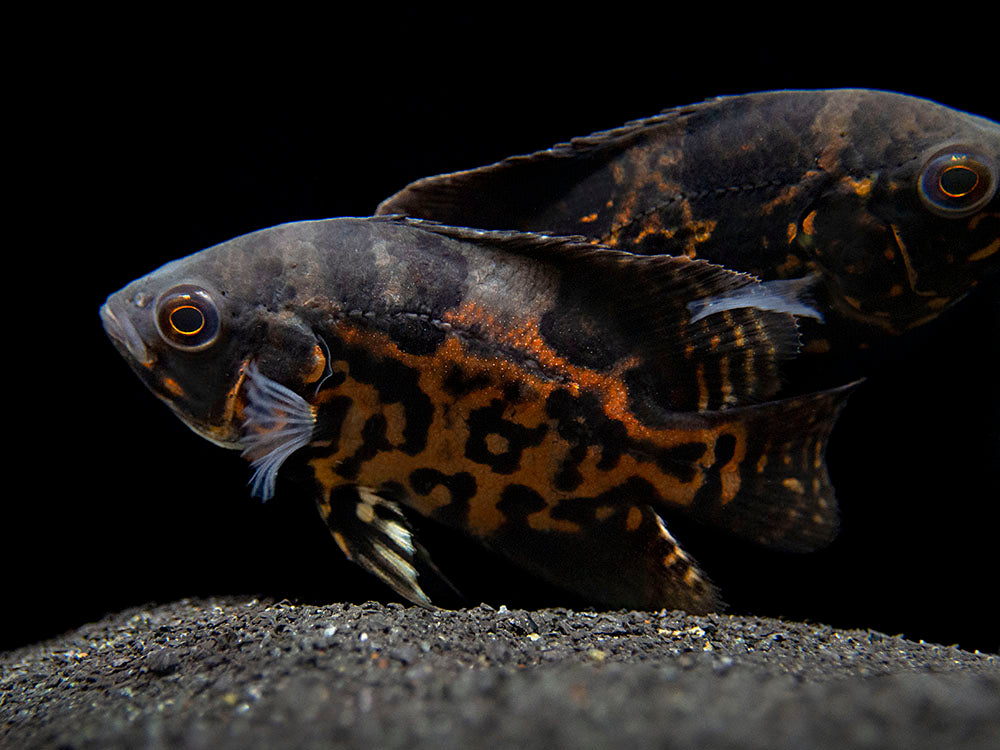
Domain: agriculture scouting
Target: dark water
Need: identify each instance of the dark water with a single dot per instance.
(125, 505)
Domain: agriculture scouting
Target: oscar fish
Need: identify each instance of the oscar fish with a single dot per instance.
(555, 401)
(890, 202)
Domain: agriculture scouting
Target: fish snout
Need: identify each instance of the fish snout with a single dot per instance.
(120, 329)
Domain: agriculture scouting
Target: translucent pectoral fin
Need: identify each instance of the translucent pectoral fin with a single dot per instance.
(782, 295)
(278, 422)
(374, 532)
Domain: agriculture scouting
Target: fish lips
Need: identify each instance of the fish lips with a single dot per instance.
(121, 330)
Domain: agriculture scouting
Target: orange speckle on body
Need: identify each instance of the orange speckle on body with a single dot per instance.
(793, 484)
(791, 232)
(173, 386)
(497, 444)
(938, 303)
(588, 219)
(860, 187)
(730, 483)
(986, 252)
(789, 266)
(604, 512)
(634, 519)
(809, 223)
(786, 196)
(395, 417)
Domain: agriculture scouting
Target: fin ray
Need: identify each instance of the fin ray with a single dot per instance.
(623, 555)
(277, 423)
(785, 499)
(781, 295)
(374, 532)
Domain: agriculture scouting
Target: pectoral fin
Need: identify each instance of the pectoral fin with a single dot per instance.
(374, 532)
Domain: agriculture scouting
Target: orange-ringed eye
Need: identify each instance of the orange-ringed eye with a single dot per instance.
(956, 183)
(187, 317)
(187, 320)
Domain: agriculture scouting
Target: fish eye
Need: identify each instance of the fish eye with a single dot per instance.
(187, 317)
(956, 183)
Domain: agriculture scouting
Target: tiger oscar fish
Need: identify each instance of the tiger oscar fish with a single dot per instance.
(889, 201)
(555, 401)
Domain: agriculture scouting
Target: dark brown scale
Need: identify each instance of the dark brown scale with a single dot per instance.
(890, 200)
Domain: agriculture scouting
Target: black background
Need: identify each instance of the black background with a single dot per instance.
(134, 147)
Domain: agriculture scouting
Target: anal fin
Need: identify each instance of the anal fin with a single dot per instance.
(374, 532)
(620, 555)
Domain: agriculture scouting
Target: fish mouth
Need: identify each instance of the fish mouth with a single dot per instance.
(124, 333)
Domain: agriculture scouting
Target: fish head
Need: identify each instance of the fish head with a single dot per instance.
(196, 328)
(910, 221)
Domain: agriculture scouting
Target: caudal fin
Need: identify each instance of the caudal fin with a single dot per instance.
(780, 495)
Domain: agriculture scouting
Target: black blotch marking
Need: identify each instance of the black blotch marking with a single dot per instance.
(580, 339)
(568, 476)
(461, 486)
(413, 335)
(373, 440)
(395, 383)
(332, 381)
(633, 491)
(458, 383)
(517, 502)
(725, 449)
(393, 490)
(517, 393)
(488, 420)
(581, 421)
(330, 420)
(708, 498)
(677, 461)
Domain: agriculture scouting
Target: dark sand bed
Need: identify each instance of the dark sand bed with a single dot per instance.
(242, 672)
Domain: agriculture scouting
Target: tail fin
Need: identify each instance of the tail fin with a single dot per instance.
(780, 495)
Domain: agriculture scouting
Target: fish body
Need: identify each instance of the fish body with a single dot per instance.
(553, 400)
(890, 201)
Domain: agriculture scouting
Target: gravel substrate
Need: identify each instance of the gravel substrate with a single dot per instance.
(239, 673)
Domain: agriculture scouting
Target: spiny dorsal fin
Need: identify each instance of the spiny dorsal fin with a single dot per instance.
(508, 190)
(650, 307)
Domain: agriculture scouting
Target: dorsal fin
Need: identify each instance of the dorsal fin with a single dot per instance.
(614, 306)
(507, 191)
